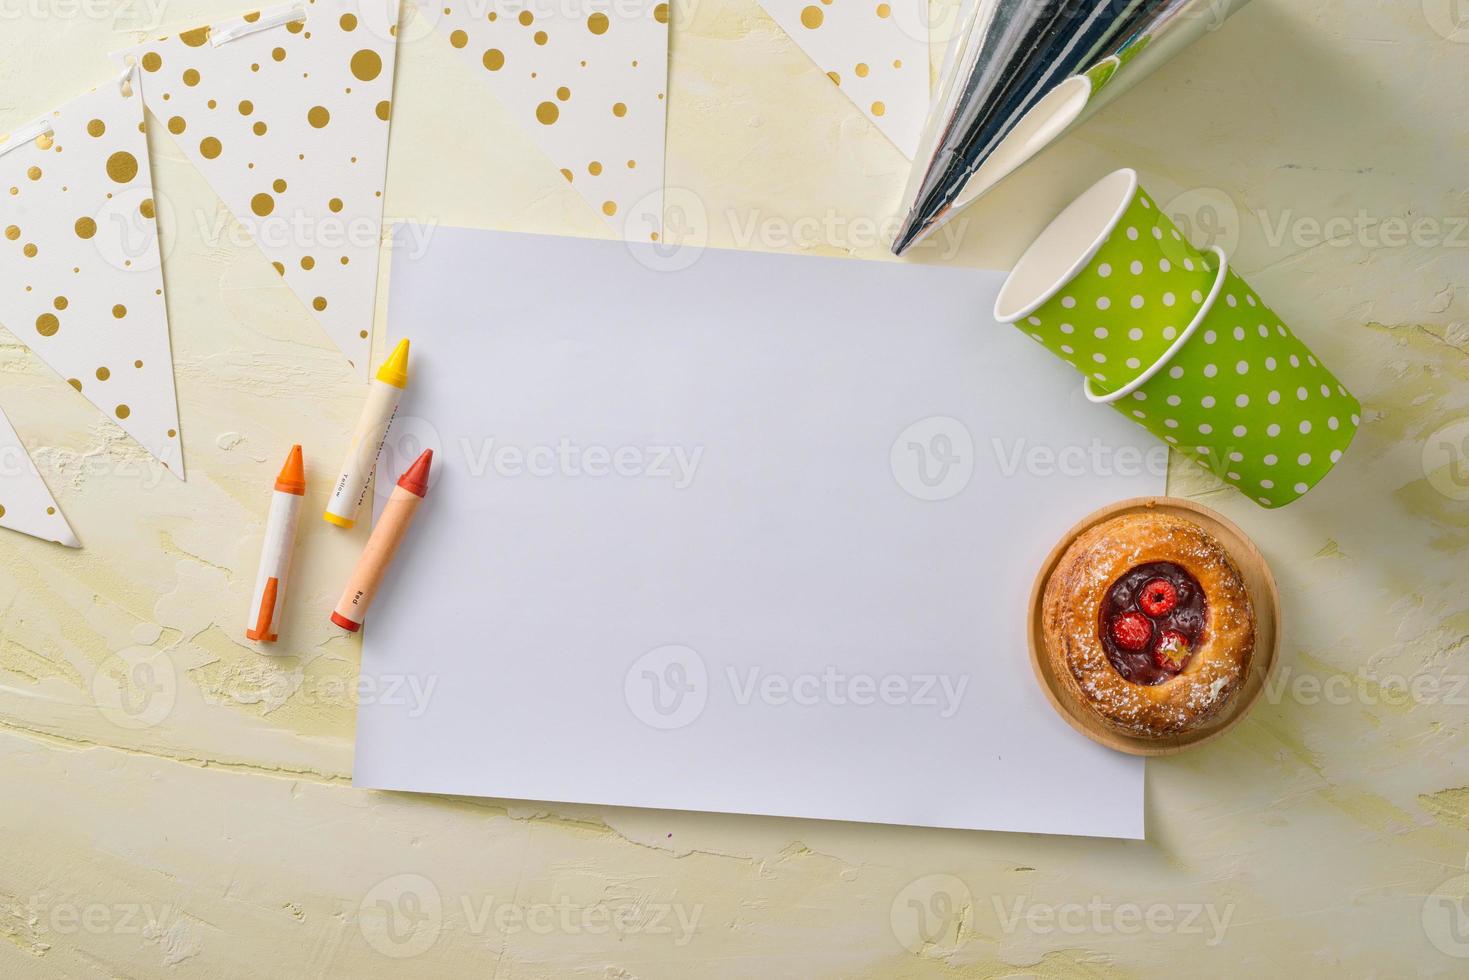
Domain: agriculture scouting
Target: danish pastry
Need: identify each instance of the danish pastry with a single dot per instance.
(1148, 621)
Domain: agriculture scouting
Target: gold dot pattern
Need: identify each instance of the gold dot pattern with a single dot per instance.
(866, 50)
(587, 81)
(26, 505)
(289, 125)
(80, 242)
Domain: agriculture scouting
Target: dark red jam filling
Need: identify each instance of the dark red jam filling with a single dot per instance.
(1152, 622)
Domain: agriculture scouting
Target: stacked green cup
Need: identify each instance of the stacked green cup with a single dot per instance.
(1234, 388)
(1109, 285)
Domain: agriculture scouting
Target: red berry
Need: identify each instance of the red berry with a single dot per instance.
(1132, 631)
(1158, 597)
(1171, 651)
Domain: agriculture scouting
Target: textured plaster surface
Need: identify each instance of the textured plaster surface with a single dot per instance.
(175, 805)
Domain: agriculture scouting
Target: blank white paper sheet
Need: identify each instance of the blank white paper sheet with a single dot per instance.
(750, 535)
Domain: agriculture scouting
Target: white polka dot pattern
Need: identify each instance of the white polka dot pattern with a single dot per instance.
(1245, 398)
(1121, 312)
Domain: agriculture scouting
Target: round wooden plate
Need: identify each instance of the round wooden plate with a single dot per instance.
(1259, 582)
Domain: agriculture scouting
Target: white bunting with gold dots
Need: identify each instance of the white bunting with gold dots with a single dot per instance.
(80, 277)
(25, 503)
(285, 112)
(876, 51)
(588, 79)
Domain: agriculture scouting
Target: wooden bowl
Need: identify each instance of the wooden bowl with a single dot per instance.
(1263, 595)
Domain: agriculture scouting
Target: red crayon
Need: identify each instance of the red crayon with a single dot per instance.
(387, 535)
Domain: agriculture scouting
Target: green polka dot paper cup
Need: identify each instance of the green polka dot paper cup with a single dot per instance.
(1109, 285)
(1239, 393)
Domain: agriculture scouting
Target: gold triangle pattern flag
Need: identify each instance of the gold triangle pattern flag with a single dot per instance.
(25, 503)
(588, 80)
(875, 52)
(81, 283)
(285, 112)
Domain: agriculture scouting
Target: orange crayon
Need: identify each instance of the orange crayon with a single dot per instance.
(386, 536)
(264, 621)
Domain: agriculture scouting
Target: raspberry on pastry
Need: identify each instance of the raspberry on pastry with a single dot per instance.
(1148, 621)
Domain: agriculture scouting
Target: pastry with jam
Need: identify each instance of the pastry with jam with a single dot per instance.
(1147, 620)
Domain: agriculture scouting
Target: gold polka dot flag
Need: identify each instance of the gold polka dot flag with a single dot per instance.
(81, 282)
(285, 112)
(875, 51)
(588, 81)
(25, 503)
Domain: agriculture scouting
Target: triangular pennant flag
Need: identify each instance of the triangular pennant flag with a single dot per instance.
(285, 113)
(877, 53)
(80, 276)
(25, 503)
(588, 79)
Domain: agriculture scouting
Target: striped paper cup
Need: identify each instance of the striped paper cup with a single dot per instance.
(1239, 393)
(1109, 285)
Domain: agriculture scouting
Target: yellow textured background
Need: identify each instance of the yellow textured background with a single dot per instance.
(218, 836)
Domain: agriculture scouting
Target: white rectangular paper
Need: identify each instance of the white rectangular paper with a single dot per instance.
(754, 536)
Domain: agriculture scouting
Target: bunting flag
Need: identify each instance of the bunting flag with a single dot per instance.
(25, 503)
(588, 79)
(82, 284)
(876, 53)
(285, 113)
